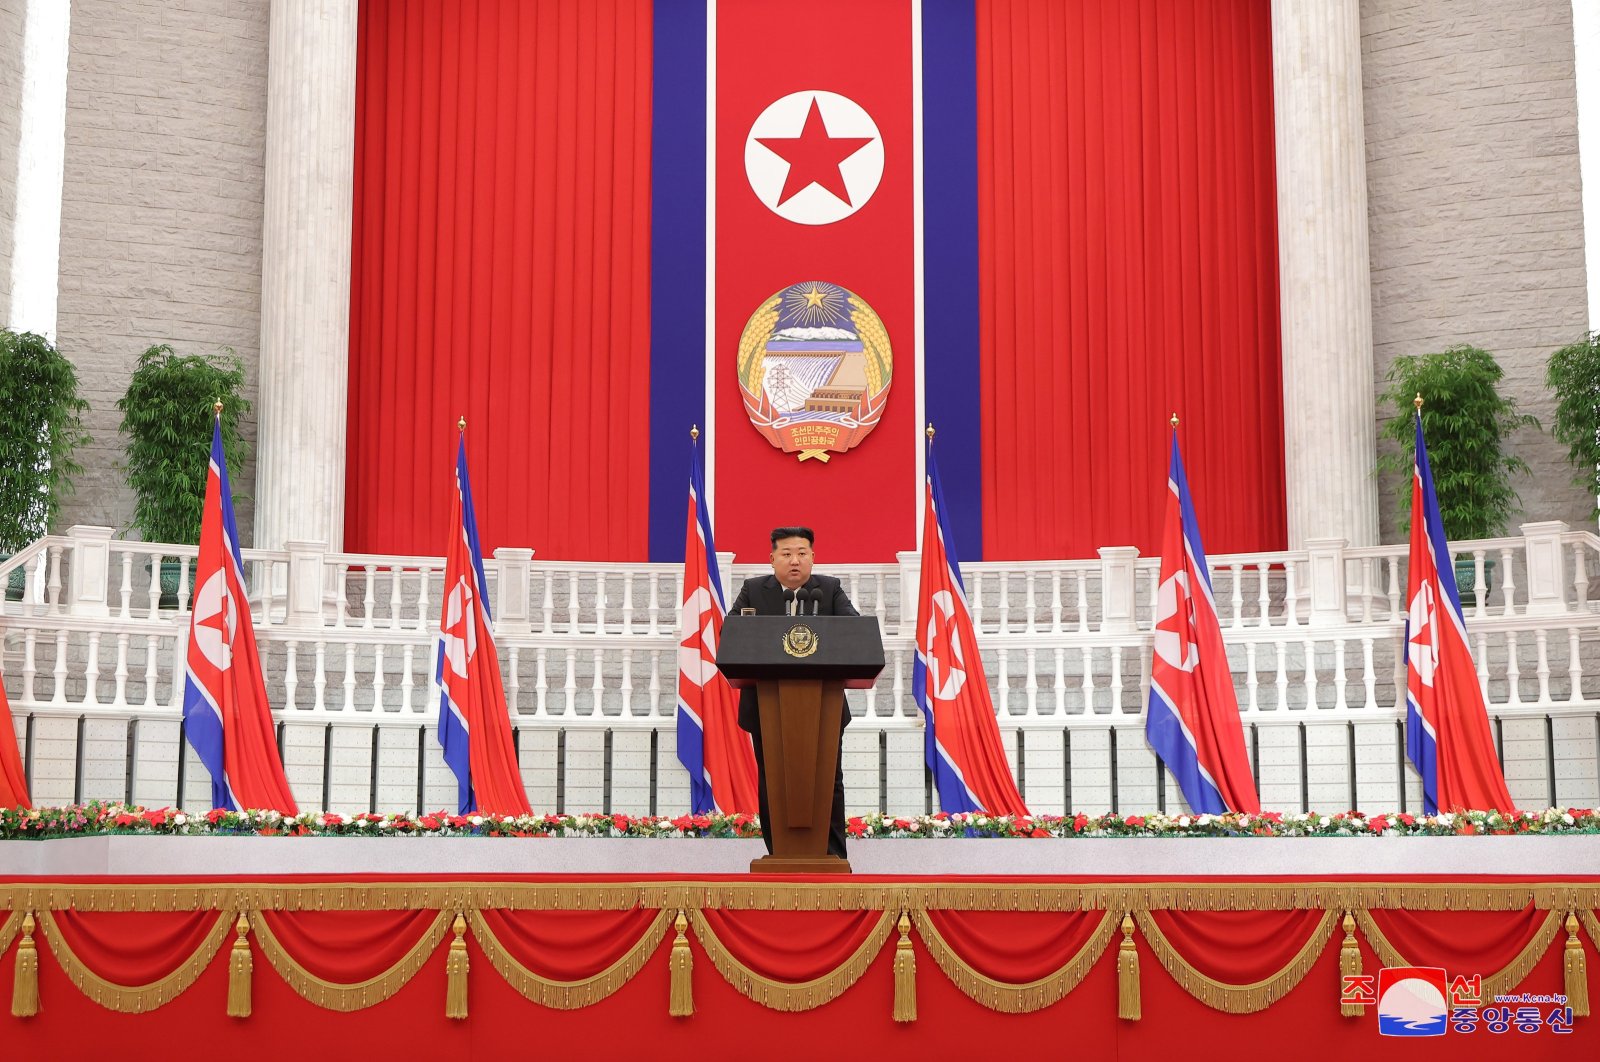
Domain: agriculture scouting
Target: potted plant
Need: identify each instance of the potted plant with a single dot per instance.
(1573, 374)
(41, 428)
(1466, 422)
(166, 417)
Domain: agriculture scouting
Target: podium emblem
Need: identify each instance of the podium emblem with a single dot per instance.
(814, 369)
(800, 641)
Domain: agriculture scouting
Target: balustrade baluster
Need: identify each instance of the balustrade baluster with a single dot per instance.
(1281, 651)
(655, 684)
(1508, 582)
(425, 620)
(1574, 667)
(1264, 593)
(1480, 592)
(1291, 609)
(1482, 656)
(1082, 578)
(29, 665)
(1252, 681)
(396, 577)
(975, 580)
(897, 708)
(1542, 640)
(125, 593)
(570, 686)
(1236, 574)
(1580, 574)
(1061, 681)
(320, 679)
(408, 684)
(1310, 649)
(1393, 565)
(1087, 683)
(1513, 670)
(341, 604)
(1033, 625)
(1005, 601)
(597, 687)
(541, 683)
(1004, 681)
(1032, 685)
(379, 681)
(53, 587)
(91, 671)
(1055, 601)
(655, 602)
(150, 672)
(120, 697)
(627, 605)
(600, 602)
(572, 602)
(547, 606)
(59, 694)
(368, 595)
(349, 704)
(627, 683)
(1339, 679)
(1366, 589)
(153, 591)
(1116, 679)
(291, 681)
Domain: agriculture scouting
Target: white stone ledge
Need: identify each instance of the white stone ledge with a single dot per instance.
(126, 857)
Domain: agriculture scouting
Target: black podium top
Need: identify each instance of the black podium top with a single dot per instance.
(836, 648)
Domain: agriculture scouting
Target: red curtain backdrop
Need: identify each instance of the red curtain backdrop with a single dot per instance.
(500, 270)
(1128, 260)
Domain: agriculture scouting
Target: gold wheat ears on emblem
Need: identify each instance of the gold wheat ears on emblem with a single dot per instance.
(753, 344)
(875, 340)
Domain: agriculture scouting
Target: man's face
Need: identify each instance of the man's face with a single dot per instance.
(791, 561)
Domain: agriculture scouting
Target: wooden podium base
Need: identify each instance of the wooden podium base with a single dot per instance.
(776, 864)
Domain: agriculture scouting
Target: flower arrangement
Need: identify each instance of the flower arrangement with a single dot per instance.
(118, 819)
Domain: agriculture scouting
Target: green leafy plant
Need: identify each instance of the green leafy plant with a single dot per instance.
(1574, 375)
(1467, 422)
(39, 430)
(166, 416)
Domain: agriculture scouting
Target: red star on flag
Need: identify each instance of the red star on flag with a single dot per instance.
(814, 157)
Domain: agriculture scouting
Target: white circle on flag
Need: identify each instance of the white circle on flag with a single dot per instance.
(835, 157)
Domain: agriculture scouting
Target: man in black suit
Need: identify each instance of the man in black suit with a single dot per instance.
(793, 552)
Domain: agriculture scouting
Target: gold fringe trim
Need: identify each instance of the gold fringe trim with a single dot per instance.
(25, 985)
(1230, 998)
(1590, 923)
(1575, 970)
(1498, 983)
(9, 929)
(1129, 1006)
(905, 973)
(793, 896)
(347, 997)
(239, 968)
(1349, 965)
(134, 999)
(783, 995)
(568, 995)
(680, 998)
(1008, 997)
(455, 972)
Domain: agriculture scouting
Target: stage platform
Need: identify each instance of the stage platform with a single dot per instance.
(409, 947)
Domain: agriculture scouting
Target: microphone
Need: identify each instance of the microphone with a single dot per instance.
(816, 600)
(788, 601)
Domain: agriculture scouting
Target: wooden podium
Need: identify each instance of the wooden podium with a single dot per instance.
(800, 667)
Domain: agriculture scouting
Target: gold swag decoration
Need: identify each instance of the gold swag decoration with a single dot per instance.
(1005, 996)
(332, 995)
(785, 995)
(568, 995)
(1229, 998)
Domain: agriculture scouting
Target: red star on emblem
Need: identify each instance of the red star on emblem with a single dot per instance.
(814, 157)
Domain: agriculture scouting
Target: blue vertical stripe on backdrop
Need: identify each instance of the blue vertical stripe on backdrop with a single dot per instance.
(951, 382)
(677, 261)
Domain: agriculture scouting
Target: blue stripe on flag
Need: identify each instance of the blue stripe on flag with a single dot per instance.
(677, 257)
(951, 382)
(954, 796)
(1443, 563)
(1424, 755)
(1164, 730)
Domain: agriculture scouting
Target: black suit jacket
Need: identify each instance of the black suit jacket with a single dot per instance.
(765, 594)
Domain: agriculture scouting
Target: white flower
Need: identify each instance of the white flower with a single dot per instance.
(1183, 821)
(476, 820)
(1567, 818)
(1203, 820)
(179, 819)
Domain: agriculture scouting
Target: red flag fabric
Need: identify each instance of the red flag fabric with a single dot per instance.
(13, 782)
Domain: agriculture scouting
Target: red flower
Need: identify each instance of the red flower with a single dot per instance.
(1409, 820)
(902, 824)
(1079, 822)
(215, 815)
(1038, 832)
(855, 827)
(1134, 820)
(156, 818)
(620, 823)
(1377, 824)
(125, 819)
(428, 822)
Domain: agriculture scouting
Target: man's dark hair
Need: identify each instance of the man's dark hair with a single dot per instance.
(781, 533)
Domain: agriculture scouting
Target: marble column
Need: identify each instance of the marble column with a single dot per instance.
(1329, 407)
(305, 272)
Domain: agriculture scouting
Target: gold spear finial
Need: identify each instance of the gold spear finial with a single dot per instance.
(694, 432)
(929, 431)
(461, 425)
(1417, 401)
(216, 408)
(1174, 421)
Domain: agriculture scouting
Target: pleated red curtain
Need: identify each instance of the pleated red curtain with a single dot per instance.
(500, 270)
(1128, 262)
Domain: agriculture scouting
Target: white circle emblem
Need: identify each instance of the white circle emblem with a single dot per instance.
(814, 157)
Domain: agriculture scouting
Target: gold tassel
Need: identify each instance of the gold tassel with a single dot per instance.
(1349, 965)
(681, 1003)
(1128, 974)
(455, 995)
(1577, 971)
(239, 966)
(25, 989)
(905, 974)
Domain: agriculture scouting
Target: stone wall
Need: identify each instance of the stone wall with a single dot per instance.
(12, 18)
(161, 209)
(1475, 204)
